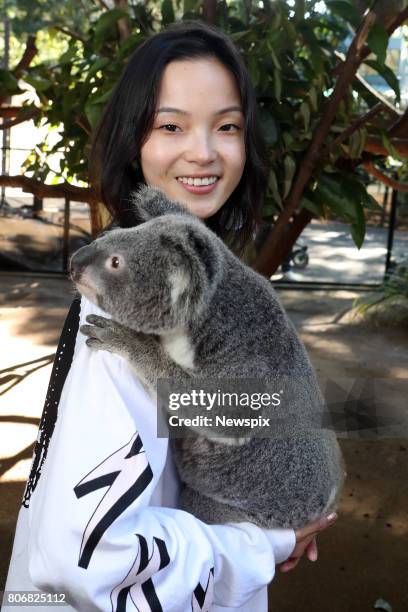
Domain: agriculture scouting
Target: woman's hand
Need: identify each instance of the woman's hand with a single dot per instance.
(306, 542)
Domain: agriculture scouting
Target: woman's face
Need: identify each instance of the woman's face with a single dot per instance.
(195, 152)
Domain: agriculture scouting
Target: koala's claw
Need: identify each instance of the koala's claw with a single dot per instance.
(104, 334)
(99, 321)
(88, 330)
(93, 343)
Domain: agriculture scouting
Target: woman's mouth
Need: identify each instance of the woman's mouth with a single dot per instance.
(198, 185)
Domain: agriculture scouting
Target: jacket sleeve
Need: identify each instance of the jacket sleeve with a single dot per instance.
(95, 533)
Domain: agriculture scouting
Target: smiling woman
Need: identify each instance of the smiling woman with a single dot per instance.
(101, 526)
(185, 109)
(200, 149)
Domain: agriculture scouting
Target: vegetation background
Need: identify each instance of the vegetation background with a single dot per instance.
(327, 129)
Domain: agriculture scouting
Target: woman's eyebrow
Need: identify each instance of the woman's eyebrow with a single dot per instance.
(170, 109)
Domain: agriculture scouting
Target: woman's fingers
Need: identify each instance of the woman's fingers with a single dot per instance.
(315, 527)
(311, 550)
(306, 542)
(288, 565)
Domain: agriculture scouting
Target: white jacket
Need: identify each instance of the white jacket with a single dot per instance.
(100, 522)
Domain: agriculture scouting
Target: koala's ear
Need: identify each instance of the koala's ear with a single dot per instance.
(150, 202)
(205, 247)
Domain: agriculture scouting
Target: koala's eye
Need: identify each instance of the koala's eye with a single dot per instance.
(115, 262)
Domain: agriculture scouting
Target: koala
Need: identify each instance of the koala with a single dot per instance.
(183, 306)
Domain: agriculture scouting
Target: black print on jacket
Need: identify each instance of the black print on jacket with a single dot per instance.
(138, 583)
(127, 473)
(202, 598)
(60, 369)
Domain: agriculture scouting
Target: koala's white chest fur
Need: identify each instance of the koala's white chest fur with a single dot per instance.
(178, 346)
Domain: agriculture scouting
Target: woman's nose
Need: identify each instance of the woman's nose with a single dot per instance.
(201, 148)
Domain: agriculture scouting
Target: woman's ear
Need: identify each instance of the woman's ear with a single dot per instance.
(150, 202)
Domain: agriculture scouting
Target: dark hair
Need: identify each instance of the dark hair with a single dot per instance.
(128, 119)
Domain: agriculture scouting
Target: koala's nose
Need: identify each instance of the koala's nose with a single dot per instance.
(80, 260)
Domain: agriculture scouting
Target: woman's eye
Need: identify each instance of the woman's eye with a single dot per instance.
(227, 127)
(169, 127)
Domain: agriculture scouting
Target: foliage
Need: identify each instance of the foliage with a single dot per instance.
(289, 48)
(391, 301)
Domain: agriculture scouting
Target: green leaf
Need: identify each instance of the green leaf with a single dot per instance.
(93, 112)
(389, 146)
(189, 6)
(106, 22)
(254, 70)
(356, 143)
(68, 56)
(345, 197)
(345, 10)
(8, 83)
(269, 128)
(39, 83)
(275, 60)
(377, 41)
(103, 97)
(371, 203)
(277, 84)
(387, 74)
(167, 12)
(98, 65)
(305, 112)
(273, 188)
(128, 45)
(313, 98)
(237, 36)
(358, 228)
(289, 166)
(314, 207)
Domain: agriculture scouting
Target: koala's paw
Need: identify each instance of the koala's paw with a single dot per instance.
(103, 334)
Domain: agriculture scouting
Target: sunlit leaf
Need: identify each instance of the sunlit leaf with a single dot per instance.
(387, 74)
(377, 40)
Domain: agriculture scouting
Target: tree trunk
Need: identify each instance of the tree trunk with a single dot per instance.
(268, 262)
(210, 11)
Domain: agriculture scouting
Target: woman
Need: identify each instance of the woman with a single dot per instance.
(99, 521)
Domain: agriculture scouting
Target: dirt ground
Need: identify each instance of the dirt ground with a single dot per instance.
(364, 557)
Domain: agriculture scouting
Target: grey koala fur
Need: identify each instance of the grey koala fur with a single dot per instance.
(184, 306)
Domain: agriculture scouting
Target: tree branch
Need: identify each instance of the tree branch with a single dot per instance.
(40, 190)
(262, 262)
(84, 124)
(375, 145)
(29, 53)
(26, 59)
(210, 11)
(390, 28)
(393, 110)
(5, 125)
(124, 25)
(351, 129)
(400, 127)
(376, 94)
(10, 111)
(71, 34)
(371, 169)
